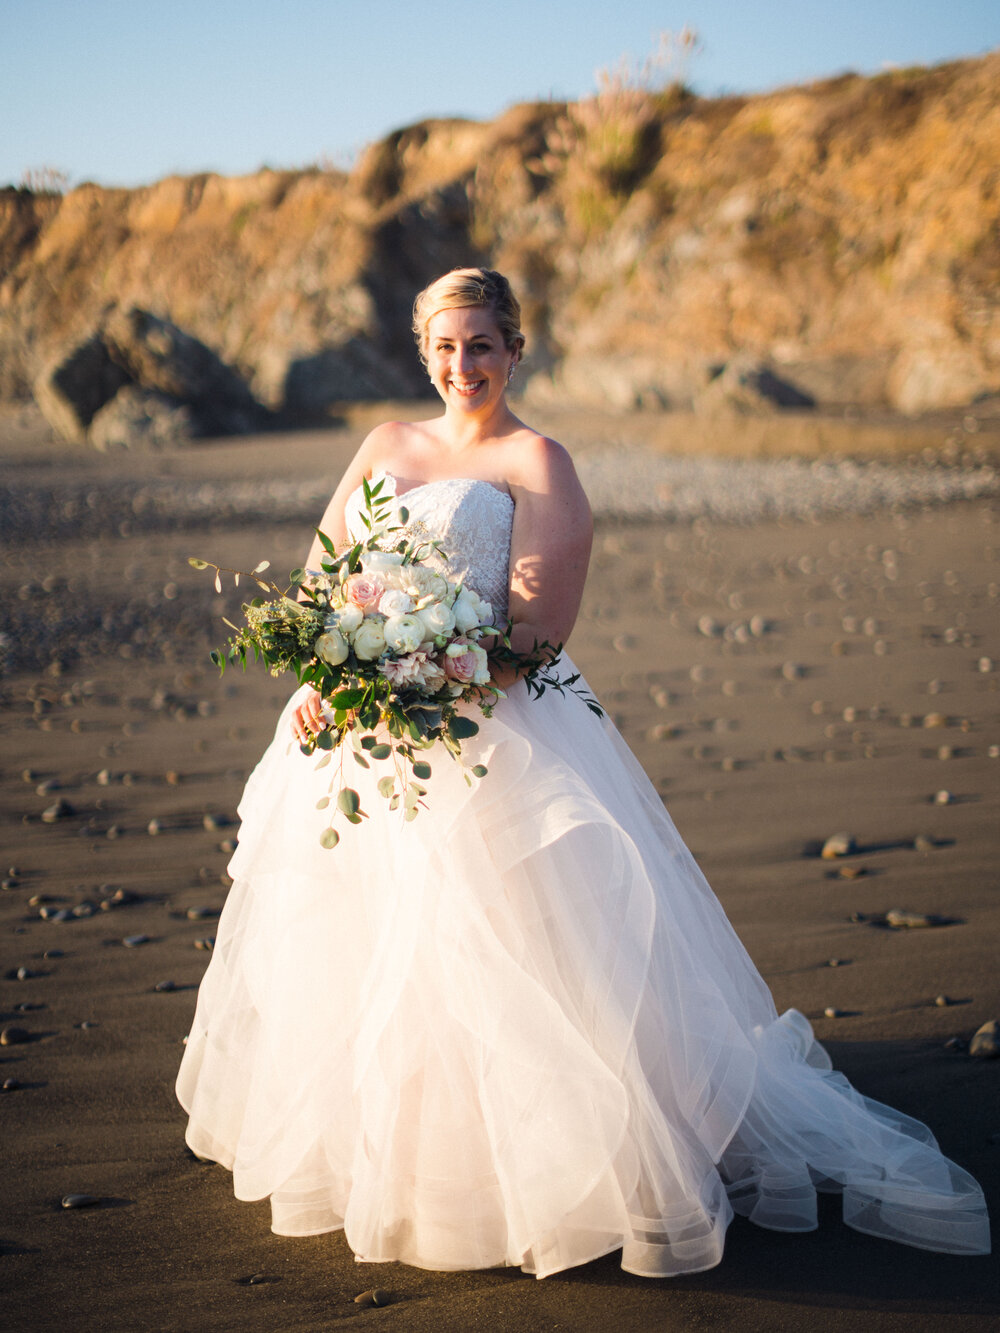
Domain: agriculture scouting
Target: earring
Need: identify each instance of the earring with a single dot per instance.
(510, 372)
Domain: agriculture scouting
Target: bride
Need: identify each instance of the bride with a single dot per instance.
(520, 1029)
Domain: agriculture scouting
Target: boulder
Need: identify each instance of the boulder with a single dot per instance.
(76, 384)
(750, 388)
(352, 372)
(143, 419)
(927, 379)
(157, 355)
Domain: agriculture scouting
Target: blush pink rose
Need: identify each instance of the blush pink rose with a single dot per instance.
(364, 590)
(466, 664)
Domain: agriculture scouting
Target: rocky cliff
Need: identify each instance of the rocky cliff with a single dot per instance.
(840, 239)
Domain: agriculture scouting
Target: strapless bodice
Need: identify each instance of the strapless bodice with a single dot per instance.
(470, 518)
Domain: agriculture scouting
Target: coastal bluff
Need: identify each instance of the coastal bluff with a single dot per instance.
(832, 244)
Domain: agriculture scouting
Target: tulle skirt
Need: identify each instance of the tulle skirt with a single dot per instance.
(520, 1029)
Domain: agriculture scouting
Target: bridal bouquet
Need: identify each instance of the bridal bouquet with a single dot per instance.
(393, 646)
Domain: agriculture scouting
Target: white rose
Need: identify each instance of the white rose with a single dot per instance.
(438, 618)
(381, 562)
(470, 611)
(403, 634)
(331, 647)
(369, 641)
(346, 618)
(393, 602)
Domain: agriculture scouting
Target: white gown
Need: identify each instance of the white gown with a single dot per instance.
(520, 1029)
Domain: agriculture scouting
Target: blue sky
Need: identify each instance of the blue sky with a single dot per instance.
(126, 91)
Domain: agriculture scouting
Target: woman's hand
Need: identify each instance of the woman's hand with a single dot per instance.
(306, 719)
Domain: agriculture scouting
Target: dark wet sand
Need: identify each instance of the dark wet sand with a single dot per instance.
(750, 745)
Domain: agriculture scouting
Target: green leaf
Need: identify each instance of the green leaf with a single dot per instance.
(479, 770)
(461, 728)
(195, 563)
(386, 786)
(347, 698)
(421, 770)
(217, 659)
(324, 760)
(410, 813)
(404, 514)
(322, 803)
(349, 801)
(394, 803)
(297, 576)
(360, 759)
(353, 819)
(368, 742)
(329, 838)
(382, 751)
(326, 543)
(324, 741)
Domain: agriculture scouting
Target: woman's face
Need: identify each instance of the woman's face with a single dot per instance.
(467, 358)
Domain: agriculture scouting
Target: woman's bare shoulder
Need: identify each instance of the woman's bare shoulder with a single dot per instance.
(541, 464)
(390, 444)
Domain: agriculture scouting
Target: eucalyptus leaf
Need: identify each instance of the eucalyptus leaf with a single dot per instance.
(329, 838)
(421, 770)
(461, 728)
(322, 803)
(382, 751)
(386, 786)
(360, 759)
(324, 741)
(479, 770)
(195, 563)
(349, 801)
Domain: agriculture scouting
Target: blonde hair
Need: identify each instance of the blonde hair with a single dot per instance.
(469, 287)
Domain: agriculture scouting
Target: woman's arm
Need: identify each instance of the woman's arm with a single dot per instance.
(549, 550)
(306, 720)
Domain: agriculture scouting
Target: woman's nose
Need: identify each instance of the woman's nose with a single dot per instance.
(463, 359)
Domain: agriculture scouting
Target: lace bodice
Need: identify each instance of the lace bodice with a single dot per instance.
(471, 519)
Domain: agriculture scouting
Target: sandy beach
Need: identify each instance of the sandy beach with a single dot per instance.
(781, 680)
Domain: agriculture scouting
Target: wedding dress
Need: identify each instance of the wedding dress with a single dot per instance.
(520, 1029)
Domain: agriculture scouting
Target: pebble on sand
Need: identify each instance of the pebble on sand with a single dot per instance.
(133, 941)
(61, 810)
(897, 918)
(838, 844)
(376, 1297)
(81, 1200)
(985, 1045)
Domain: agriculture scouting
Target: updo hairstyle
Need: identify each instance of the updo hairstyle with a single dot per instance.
(470, 287)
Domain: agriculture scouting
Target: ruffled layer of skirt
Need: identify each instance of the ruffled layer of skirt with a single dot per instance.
(520, 1029)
